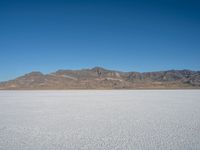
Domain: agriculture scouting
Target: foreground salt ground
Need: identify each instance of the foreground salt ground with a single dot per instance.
(100, 120)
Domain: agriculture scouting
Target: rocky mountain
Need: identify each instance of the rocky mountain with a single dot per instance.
(100, 78)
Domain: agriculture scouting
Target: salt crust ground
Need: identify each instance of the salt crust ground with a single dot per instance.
(100, 120)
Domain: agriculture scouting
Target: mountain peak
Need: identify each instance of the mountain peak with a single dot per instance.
(35, 73)
(98, 68)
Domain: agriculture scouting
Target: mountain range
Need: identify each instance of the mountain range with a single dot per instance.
(101, 78)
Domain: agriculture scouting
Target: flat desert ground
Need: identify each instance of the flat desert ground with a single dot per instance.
(100, 120)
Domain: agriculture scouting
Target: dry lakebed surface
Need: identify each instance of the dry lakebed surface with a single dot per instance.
(100, 120)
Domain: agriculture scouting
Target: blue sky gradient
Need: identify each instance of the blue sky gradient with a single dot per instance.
(123, 35)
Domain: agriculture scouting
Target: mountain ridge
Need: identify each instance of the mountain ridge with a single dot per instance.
(101, 78)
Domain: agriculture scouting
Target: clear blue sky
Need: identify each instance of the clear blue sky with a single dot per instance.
(124, 35)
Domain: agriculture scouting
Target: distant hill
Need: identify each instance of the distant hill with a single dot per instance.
(100, 78)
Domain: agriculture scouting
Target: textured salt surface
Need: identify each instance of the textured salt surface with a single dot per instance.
(100, 120)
